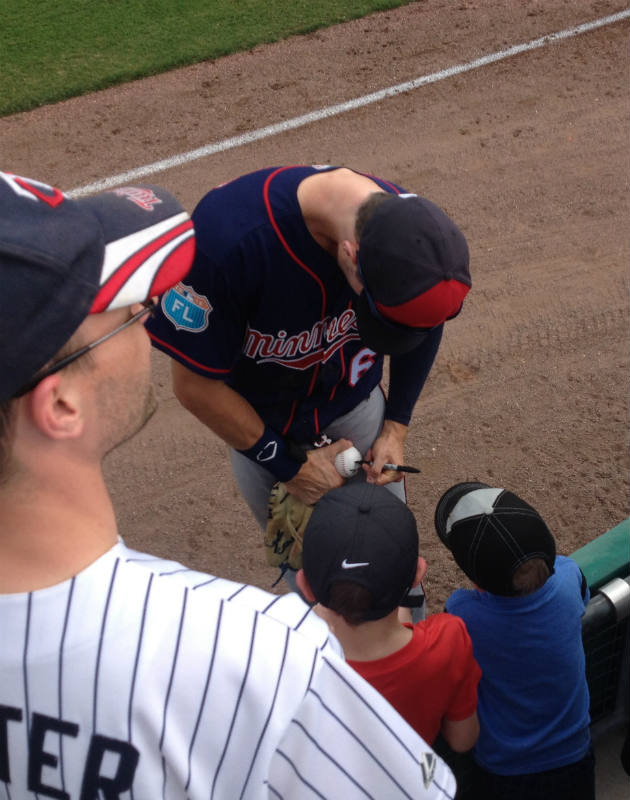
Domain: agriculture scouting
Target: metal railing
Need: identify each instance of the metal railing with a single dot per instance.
(606, 638)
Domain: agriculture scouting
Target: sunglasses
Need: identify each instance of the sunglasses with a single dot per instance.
(148, 307)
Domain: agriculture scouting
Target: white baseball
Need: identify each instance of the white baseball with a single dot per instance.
(346, 462)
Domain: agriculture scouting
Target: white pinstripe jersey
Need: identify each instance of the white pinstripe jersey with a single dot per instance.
(141, 679)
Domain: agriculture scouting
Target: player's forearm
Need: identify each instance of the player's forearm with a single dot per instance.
(235, 420)
(407, 376)
(395, 431)
(224, 411)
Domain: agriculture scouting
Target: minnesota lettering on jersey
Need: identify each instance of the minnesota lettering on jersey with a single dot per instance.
(303, 349)
(96, 782)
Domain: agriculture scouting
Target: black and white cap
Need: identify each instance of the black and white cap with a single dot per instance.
(491, 533)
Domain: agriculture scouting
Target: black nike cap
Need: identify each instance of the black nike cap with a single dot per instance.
(364, 534)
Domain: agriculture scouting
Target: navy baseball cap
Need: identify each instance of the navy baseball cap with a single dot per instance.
(62, 259)
(491, 533)
(362, 533)
(414, 263)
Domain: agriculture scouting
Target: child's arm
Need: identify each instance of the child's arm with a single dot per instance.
(461, 735)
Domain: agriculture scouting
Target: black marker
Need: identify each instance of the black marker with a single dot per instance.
(393, 467)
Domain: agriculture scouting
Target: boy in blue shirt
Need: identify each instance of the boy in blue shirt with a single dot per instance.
(524, 619)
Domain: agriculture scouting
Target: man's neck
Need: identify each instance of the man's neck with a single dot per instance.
(329, 203)
(51, 530)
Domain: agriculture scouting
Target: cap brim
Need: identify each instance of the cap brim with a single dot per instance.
(149, 244)
(383, 338)
(447, 503)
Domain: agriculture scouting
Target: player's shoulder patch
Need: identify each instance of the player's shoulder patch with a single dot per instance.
(187, 309)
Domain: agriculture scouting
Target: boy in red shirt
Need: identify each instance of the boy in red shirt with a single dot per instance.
(360, 560)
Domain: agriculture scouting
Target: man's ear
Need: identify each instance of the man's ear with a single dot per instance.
(55, 408)
(347, 259)
(304, 587)
(350, 249)
(421, 571)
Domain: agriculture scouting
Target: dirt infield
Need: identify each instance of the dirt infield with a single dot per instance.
(529, 155)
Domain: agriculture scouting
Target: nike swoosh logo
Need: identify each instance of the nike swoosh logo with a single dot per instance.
(351, 565)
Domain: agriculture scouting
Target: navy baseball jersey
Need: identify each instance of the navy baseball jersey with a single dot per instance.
(138, 678)
(269, 311)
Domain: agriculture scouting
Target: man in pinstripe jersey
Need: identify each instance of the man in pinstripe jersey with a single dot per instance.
(121, 674)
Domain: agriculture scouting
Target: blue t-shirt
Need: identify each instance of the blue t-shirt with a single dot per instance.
(533, 697)
(268, 310)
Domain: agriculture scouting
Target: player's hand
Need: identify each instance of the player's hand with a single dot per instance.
(388, 448)
(318, 473)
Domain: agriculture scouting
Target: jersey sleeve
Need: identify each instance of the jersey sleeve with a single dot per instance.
(201, 321)
(346, 741)
(407, 375)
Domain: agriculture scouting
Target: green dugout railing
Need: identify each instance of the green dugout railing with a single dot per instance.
(606, 557)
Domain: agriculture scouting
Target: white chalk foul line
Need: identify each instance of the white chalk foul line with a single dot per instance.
(340, 108)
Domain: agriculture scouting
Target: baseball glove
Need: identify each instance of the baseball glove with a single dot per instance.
(286, 521)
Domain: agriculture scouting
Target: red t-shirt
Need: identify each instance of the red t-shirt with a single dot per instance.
(435, 675)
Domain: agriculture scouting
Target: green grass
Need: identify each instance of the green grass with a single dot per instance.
(51, 50)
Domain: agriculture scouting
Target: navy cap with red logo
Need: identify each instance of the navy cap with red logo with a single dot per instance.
(414, 264)
(62, 259)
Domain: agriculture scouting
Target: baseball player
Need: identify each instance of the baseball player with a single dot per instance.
(123, 674)
(305, 276)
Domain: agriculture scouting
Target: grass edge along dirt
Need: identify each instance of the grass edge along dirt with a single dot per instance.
(54, 51)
